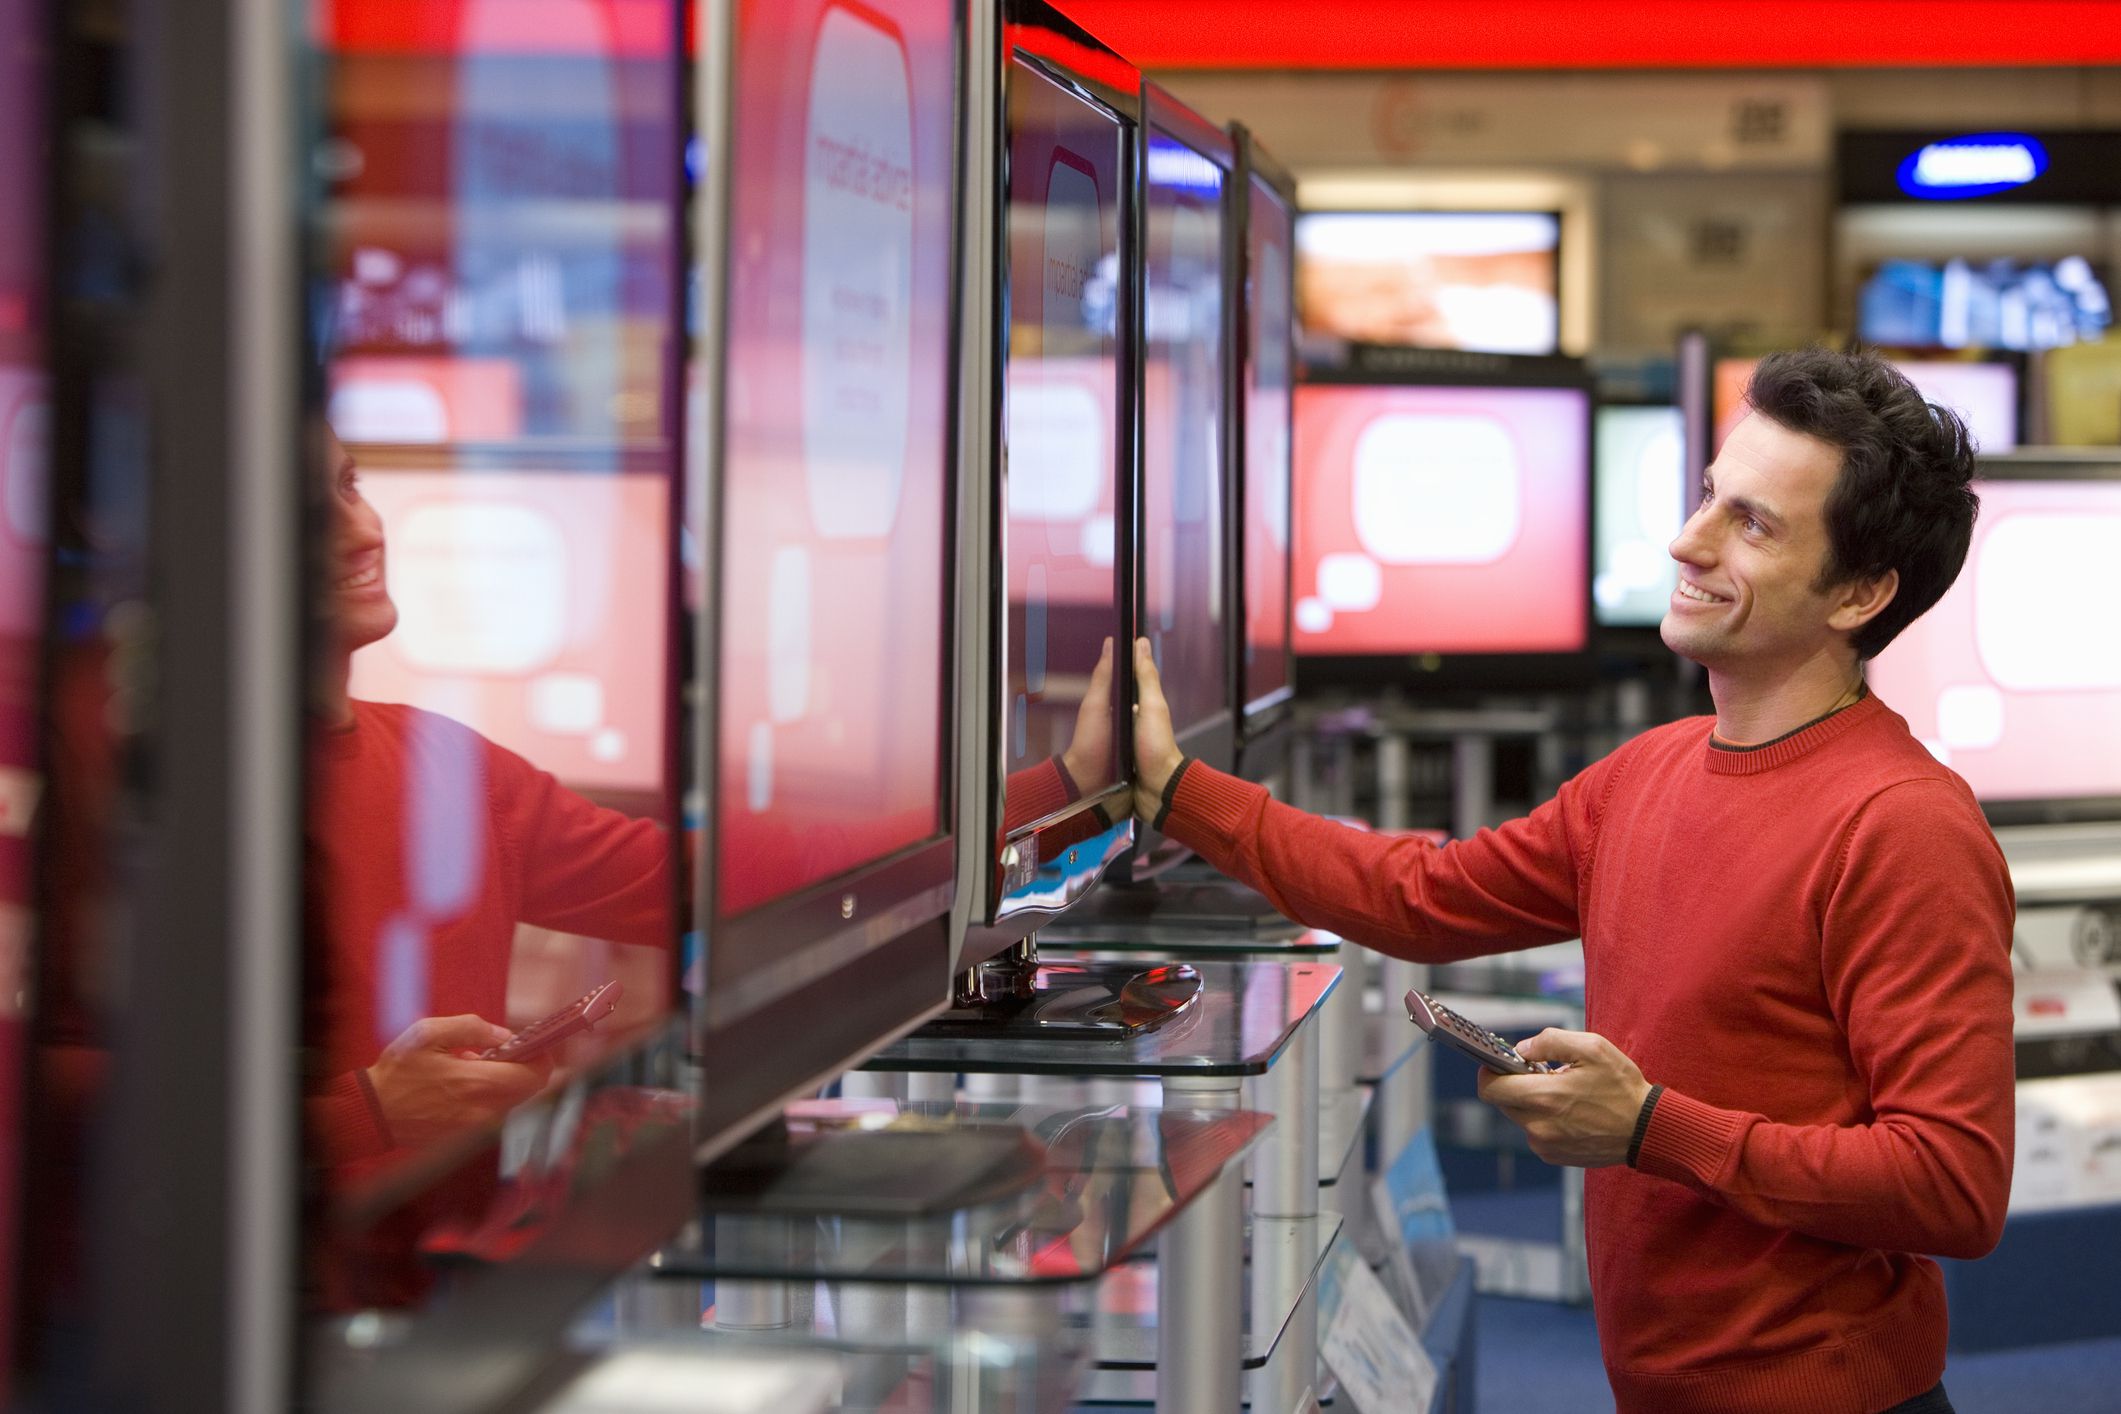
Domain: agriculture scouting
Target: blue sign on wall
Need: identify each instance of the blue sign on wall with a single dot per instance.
(1980, 164)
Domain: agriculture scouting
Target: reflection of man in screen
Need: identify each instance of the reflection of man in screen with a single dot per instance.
(1058, 781)
(1792, 916)
(427, 845)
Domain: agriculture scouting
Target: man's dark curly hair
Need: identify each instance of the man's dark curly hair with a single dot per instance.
(1902, 501)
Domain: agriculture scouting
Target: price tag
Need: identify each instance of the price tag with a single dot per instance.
(1368, 1345)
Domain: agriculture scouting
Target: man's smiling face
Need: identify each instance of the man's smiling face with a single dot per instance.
(1750, 559)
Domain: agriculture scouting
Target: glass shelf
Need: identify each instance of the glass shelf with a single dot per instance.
(1124, 1326)
(1110, 1178)
(1246, 1014)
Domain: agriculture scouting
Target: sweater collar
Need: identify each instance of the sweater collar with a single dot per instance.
(1798, 744)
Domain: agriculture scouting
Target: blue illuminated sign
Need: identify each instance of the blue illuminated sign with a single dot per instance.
(1980, 164)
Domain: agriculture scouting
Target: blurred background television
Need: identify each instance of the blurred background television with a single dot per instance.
(1996, 304)
(1641, 504)
(1441, 522)
(1483, 281)
(2014, 678)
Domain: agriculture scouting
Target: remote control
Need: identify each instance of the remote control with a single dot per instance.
(541, 1036)
(1483, 1045)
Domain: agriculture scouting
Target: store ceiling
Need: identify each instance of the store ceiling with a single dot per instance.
(1603, 34)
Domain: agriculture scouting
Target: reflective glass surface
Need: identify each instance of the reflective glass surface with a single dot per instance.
(1184, 614)
(1109, 1178)
(1062, 409)
(490, 869)
(1270, 375)
(1244, 1016)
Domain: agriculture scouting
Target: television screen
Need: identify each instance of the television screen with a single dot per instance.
(1066, 160)
(438, 398)
(531, 608)
(1486, 281)
(1446, 520)
(835, 484)
(1984, 394)
(2014, 678)
(1269, 376)
(1993, 304)
(1641, 492)
(1184, 586)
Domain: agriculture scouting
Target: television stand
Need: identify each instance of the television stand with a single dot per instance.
(1014, 994)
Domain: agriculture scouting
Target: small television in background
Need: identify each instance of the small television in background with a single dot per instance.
(2014, 678)
(1994, 304)
(1442, 532)
(1641, 503)
(1487, 281)
(1986, 393)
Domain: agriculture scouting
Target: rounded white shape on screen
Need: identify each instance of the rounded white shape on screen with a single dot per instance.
(1314, 615)
(2044, 591)
(1100, 541)
(389, 410)
(858, 199)
(608, 745)
(482, 587)
(1436, 488)
(1350, 583)
(1056, 450)
(1641, 565)
(1607, 589)
(566, 704)
(1937, 749)
(1499, 318)
(788, 638)
(25, 468)
(1660, 501)
(1970, 716)
(758, 769)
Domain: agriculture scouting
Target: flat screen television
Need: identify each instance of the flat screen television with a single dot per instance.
(827, 870)
(1640, 504)
(1488, 281)
(1986, 393)
(1985, 304)
(1183, 538)
(531, 604)
(1442, 533)
(1263, 205)
(1056, 802)
(2013, 679)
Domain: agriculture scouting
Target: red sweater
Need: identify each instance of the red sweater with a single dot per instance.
(1808, 945)
(428, 845)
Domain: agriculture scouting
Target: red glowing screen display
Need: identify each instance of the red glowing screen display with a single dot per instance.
(1441, 520)
(531, 607)
(2014, 678)
(834, 563)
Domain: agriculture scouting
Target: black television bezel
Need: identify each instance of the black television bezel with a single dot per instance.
(1634, 638)
(879, 934)
(1304, 327)
(1047, 43)
(1430, 673)
(2051, 464)
(1263, 722)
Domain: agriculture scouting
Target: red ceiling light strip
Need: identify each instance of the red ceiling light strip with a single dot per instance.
(1603, 34)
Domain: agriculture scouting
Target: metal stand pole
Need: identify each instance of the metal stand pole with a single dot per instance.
(1200, 1265)
(1403, 1099)
(1285, 1185)
(931, 1087)
(752, 1305)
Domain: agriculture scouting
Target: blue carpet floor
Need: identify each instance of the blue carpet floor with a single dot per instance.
(1537, 1356)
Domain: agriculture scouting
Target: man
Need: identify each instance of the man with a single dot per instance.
(427, 845)
(1797, 1072)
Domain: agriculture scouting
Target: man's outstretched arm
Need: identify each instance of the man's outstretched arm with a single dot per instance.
(1515, 887)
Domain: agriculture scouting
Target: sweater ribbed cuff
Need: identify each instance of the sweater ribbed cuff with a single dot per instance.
(1688, 1141)
(1208, 806)
(1642, 1123)
(1163, 809)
